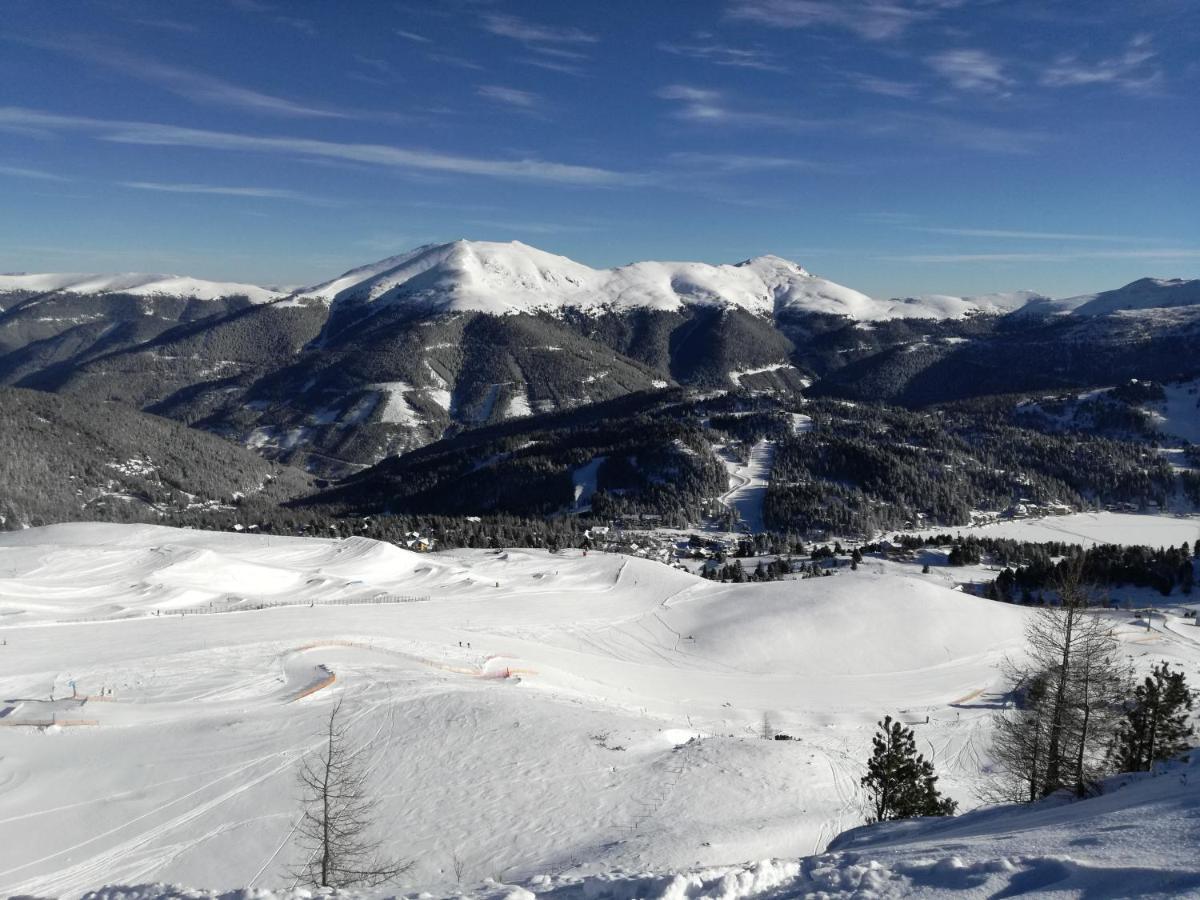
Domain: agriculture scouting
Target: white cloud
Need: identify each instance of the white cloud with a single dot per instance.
(534, 33)
(1171, 253)
(734, 162)
(412, 36)
(35, 174)
(511, 96)
(260, 193)
(152, 134)
(721, 55)
(1026, 235)
(873, 20)
(970, 70)
(708, 106)
(711, 107)
(192, 85)
(532, 227)
(1133, 70)
(885, 87)
(551, 65)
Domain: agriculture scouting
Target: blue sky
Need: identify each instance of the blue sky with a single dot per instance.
(897, 146)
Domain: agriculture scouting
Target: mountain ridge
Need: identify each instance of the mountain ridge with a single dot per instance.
(499, 278)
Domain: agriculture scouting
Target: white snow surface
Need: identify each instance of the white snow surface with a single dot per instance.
(1088, 529)
(504, 278)
(565, 725)
(748, 484)
(1179, 414)
(138, 284)
(508, 278)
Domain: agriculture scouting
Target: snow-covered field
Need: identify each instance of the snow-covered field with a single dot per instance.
(1088, 529)
(563, 722)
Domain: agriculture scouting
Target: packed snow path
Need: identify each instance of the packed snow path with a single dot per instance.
(608, 682)
(748, 485)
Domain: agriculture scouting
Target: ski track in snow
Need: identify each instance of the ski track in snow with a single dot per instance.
(748, 485)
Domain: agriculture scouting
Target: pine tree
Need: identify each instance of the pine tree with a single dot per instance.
(1156, 721)
(900, 782)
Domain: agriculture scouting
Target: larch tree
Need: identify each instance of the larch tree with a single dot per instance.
(335, 828)
(1070, 691)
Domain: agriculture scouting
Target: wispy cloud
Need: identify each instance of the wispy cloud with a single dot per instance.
(533, 33)
(552, 65)
(873, 20)
(35, 174)
(934, 129)
(721, 55)
(526, 100)
(192, 85)
(1134, 70)
(412, 36)
(458, 62)
(152, 134)
(304, 25)
(167, 24)
(556, 48)
(377, 71)
(1027, 235)
(258, 193)
(1166, 253)
(971, 70)
(734, 162)
(705, 105)
(532, 227)
(885, 87)
(886, 217)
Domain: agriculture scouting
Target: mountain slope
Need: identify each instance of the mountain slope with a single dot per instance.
(66, 459)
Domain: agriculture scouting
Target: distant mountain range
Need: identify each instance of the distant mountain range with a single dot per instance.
(400, 353)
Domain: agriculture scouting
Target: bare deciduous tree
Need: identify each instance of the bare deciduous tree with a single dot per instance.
(1071, 689)
(335, 829)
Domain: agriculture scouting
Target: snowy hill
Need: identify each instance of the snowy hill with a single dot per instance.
(543, 723)
(500, 279)
(1134, 841)
(612, 664)
(136, 284)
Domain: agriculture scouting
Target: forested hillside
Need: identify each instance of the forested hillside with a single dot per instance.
(63, 459)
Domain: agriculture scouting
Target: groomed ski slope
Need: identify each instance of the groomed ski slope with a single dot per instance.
(557, 746)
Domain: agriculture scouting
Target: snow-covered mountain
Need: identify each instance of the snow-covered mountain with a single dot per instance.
(1136, 297)
(136, 284)
(502, 279)
(512, 278)
(404, 351)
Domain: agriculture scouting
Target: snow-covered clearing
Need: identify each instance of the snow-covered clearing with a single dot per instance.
(584, 481)
(748, 483)
(396, 408)
(1089, 529)
(1179, 415)
(534, 718)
